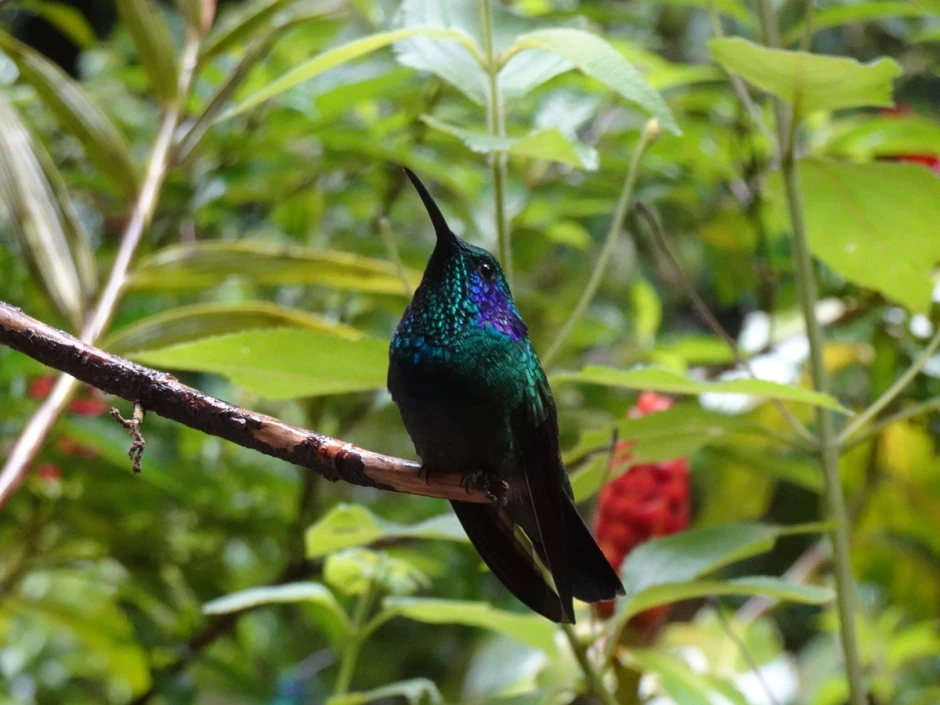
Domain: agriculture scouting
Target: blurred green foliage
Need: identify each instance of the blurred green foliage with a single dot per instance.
(283, 249)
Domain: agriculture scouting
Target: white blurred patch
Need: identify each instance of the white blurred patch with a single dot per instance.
(755, 332)
(920, 326)
(776, 366)
(894, 315)
(932, 366)
(780, 677)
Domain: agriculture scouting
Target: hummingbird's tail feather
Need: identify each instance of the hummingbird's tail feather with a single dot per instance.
(592, 577)
(495, 541)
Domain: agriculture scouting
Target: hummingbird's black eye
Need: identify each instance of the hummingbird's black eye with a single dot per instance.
(487, 271)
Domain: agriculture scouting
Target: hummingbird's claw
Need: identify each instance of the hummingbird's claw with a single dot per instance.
(424, 473)
(495, 489)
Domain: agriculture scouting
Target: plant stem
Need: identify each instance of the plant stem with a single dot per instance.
(803, 437)
(916, 410)
(351, 652)
(829, 445)
(737, 83)
(893, 391)
(496, 124)
(593, 679)
(743, 650)
(649, 135)
(161, 157)
(807, 41)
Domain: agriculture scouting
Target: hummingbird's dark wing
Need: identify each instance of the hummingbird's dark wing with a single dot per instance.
(564, 543)
(534, 425)
(495, 540)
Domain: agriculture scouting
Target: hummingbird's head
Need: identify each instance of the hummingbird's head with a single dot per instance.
(463, 284)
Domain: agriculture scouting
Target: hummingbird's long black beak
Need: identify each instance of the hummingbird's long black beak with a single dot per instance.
(444, 234)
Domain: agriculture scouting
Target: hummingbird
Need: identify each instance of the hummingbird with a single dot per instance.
(474, 398)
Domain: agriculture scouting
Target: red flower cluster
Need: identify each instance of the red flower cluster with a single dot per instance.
(649, 499)
(88, 403)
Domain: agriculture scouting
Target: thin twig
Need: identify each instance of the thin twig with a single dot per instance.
(900, 384)
(496, 124)
(742, 648)
(737, 83)
(650, 134)
(905, 413)
(806, 438)
(166, 396)
(391, 248)
(592, 678)
(40, 425)
(798, 573)
(807, 41)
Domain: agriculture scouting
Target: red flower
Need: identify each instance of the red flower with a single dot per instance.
(649, 499)
(931, 161)
(49, 473)
(89, 406)
(88, 402)
(41, 386)
(70, 446)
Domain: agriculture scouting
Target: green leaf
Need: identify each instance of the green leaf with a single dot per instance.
(67, 19)
(102, 629)
(808, 82)
(550, 144)
(662, 380)
(357, 571)
(242, 27)
(647, 311)
(330, 615)
(144, 22)
(104, 144)
(281, 363)
(677, 680)
(336, 57)
(528, 70)
(880, 136)
(673, 433)
(854, 214)
(837, 15)
(732, 8)
(529, 629)
(205, 264)
(188, 323)
(458, 65)
(254, 53)
(596, 58)
(667, 569)
(463, 68)
(753, 585)
(686, 556)
(40, 214)
(347, 525)
(417, 691)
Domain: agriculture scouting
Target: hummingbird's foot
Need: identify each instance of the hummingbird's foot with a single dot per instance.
(424, 473)
(494, 488)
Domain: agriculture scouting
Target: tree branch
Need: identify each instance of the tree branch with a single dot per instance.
(98, 319)
(164, 395)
